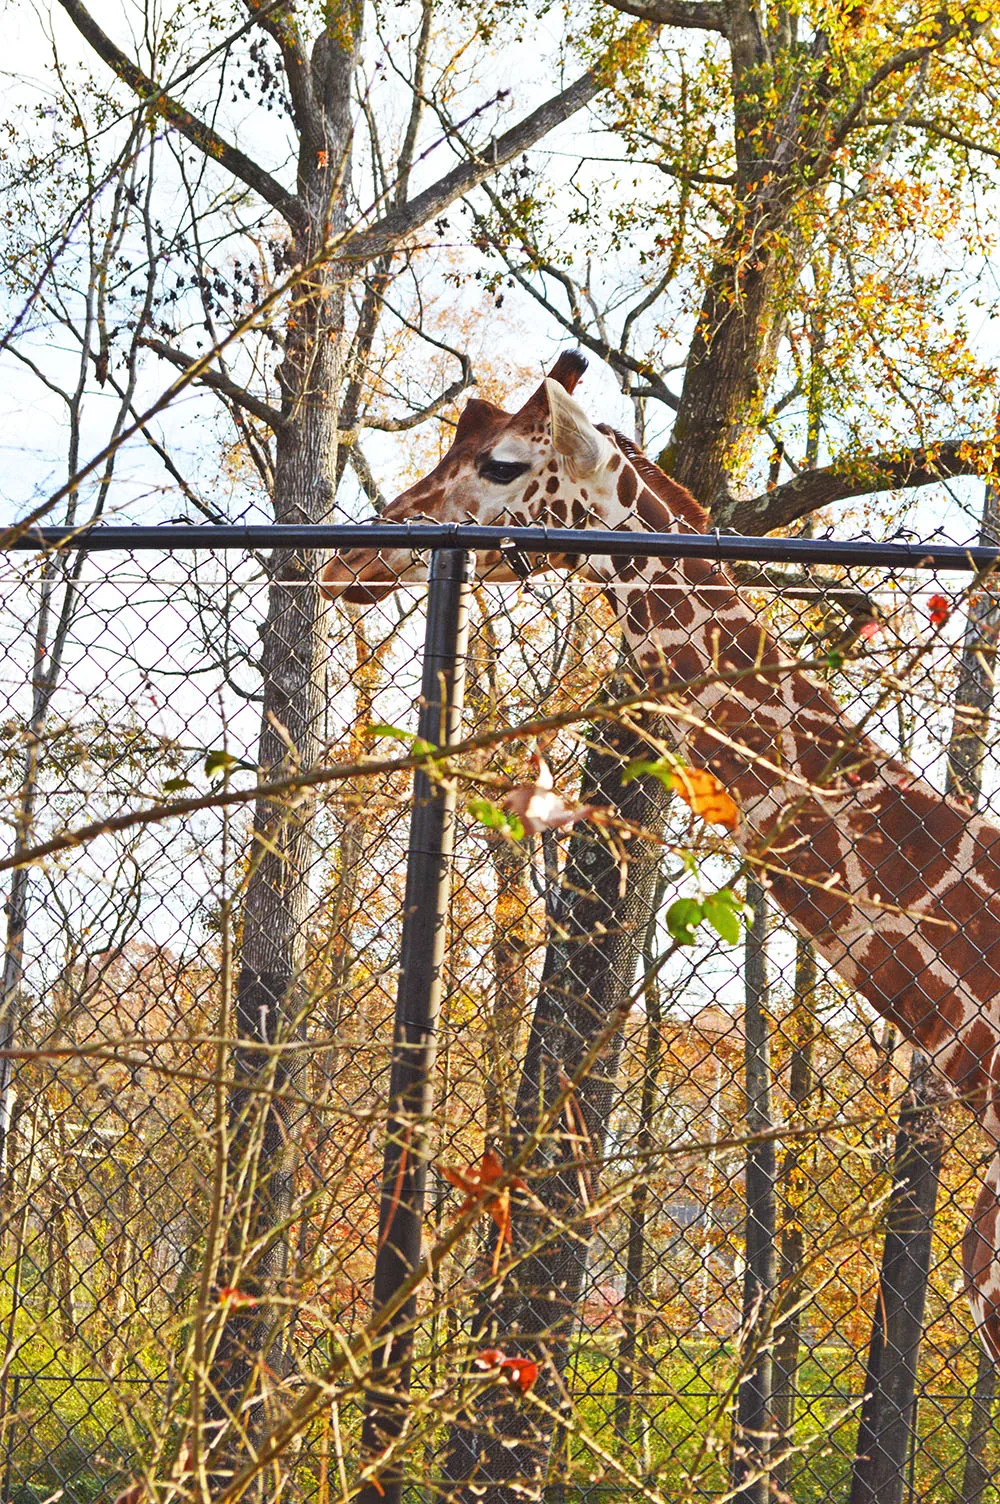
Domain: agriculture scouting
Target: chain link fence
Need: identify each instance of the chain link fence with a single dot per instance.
(669, 1171)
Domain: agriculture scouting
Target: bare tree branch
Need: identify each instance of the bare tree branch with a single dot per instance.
(201, 135)
(279, 23)
(219, 383)
(618, 359)
(907, 470)
(698, 15)
(404, 219)
(457, 387)
(366, 480)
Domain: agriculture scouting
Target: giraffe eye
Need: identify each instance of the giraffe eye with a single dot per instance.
(501, 472)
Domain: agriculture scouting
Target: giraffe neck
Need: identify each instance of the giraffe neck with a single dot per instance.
(896, 885)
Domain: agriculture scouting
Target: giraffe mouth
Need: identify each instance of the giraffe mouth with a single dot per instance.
(362, 577)
(366, 595)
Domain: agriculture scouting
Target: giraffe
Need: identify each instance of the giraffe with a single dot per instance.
(897, 885)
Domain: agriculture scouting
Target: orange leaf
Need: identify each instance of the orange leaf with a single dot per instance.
(478, 1178)
(705, 796)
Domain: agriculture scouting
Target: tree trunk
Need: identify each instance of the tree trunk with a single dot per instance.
(500, 1447)
(272, 995)
(730, 355)
(636, 1300)
(892, 1364)
(793, 1185)
(976, 681)
(885, 1432)
(966, 751)
(976, 1475)
(509, 948)
(594, 940)
(753, 1421)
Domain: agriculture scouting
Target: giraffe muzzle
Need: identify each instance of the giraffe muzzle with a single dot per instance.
(363, 576)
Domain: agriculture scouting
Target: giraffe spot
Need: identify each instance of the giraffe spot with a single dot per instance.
(817, 911)
(615, 461)
(637, 614)
(628, 487)
(552, 484)
(990, 1330)
(966, 1062)
(558, 511)
(902, 986)
(986, 862)
(532, 488)
(923, 830)
(578, 512)
(671, 608)
(977, 1245)
(981, 1040)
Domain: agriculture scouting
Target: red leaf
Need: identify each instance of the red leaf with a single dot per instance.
(938, 609)
(230, 1295)
(520, 1373)
(869, 629)
(490, 1357)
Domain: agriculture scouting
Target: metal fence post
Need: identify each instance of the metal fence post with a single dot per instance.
(418, 1000)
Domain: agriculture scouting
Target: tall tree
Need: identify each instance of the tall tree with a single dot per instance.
(797, 137)
(754, 1421)
(800, 1028)
(888, 1414)
(335, 243)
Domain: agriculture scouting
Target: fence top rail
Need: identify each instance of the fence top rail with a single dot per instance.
(424, 536)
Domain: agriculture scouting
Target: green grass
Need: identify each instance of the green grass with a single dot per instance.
(680, 1443)
(70, 1438)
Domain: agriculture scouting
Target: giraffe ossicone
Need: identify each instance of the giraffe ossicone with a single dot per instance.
(897, 885)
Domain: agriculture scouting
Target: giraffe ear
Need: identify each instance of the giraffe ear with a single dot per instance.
(583, 446)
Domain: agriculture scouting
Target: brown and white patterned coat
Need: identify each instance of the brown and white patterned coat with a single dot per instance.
(898, 886)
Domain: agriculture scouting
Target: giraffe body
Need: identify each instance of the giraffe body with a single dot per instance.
(898, 886)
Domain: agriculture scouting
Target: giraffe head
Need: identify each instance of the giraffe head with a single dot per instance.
(546, 464)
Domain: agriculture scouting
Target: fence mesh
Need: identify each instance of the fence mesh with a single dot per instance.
(165, 1228)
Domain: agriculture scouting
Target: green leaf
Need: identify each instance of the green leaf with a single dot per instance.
(724, 910)
(494, 818)
(683, 918)
(835, 659)
(397, 734)
(664, 768)
(219, 762)
(174, 785)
